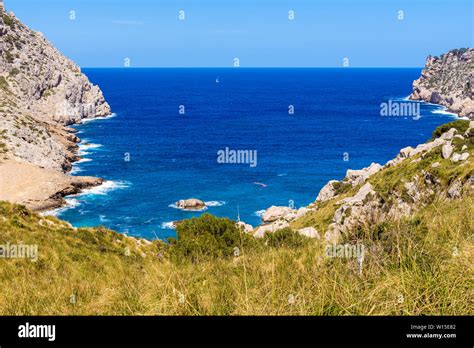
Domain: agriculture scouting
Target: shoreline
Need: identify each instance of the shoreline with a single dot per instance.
(41, 189)
(441, 110)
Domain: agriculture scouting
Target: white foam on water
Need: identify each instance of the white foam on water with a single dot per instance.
(259, 213)
(104, 188)
(75, 170)
(215, 203)
(85, 146)
(443, 111)
(86, 120)
(103, 218)
(82, 160)
(208, 204)
(168, 225)
(70, 204)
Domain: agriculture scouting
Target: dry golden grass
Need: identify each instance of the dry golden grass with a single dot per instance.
(414, 271)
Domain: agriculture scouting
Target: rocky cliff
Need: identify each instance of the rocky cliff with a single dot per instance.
(41, 91)
(448, 80)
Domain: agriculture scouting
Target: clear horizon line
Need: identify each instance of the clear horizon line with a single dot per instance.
(252, 67)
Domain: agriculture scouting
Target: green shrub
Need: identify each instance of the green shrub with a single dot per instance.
(8, 21)
(285, 237)
(207, 237)
(460, 125)
(14, 72)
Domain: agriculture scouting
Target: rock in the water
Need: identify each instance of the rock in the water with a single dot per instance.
(309, 232)
(191, 204)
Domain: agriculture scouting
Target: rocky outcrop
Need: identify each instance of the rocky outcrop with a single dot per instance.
(328, 191)
(448, 80)
(41, 91)
(309, 232)
(190, 204)
(362, 199)
(270, 228)
(368, 207)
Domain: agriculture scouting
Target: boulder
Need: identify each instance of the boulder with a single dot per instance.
(464, 156)
(301, 212)
(327, 192)
(309, 232)
(357, 177)
(447, 150)
(454, 190)
(274, 213)
(270, 228)
(245, 227)
(406, 152)
(360, 196)
(191, 204)
(449, 135)
(456, 157)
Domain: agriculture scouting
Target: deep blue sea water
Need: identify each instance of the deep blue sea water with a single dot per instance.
(174, 156)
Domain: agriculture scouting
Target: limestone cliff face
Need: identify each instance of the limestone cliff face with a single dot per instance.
(448, 80)
(41, 91)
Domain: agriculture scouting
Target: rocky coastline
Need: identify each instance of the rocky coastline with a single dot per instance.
(42, 93)
(359, 199)
(448, 80)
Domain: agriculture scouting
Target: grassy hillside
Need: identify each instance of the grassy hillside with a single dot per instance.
(413, 265)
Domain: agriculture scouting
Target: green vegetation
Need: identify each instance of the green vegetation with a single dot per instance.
(3, 148)
(425, 261)
(8, 20)
(207, 238)
(14, 72)
(48, 93)
(460, 125)
(4, 86)
(9, 56)
(419, 264)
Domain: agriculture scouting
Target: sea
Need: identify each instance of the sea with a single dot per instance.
(290, 130)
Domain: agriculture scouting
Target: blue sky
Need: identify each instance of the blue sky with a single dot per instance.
(258, 32)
